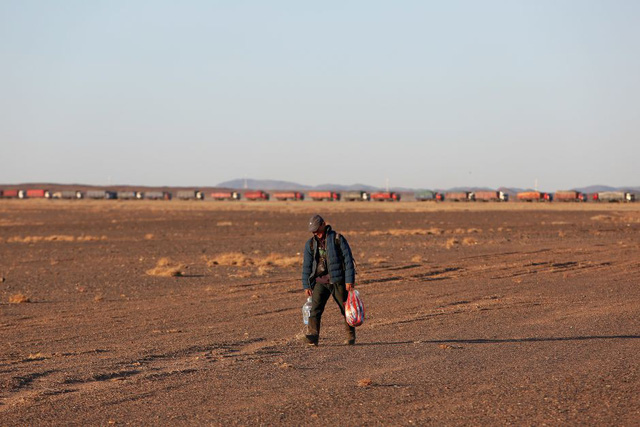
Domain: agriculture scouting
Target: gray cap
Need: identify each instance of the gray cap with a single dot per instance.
(315, 223)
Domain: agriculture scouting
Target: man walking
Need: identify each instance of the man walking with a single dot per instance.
(327, 270)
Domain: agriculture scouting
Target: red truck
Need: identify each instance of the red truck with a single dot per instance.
(324, 195)
(256, 195)
(534, 196)
(490, 196)
(38, 194)
(387, 195)
(225, 195)
(288, 195)
(570, 196)
(458, 196)
(10, 194)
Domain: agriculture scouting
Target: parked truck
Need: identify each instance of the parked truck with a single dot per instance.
(130, 195)
(614, 196)
(157, 195)
(534, 196)
(385, 196)
(256, 195)
(490, 196)
(225, 195)
(102, 194)
(10, 194)
(190, 195)
(569, 196)
(38, 194)
(288, 195)
(425, 196)
(324, 195)
(458, 196)
(356, 196)
(67, 194)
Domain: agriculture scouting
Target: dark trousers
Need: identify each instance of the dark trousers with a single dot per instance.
(320, 296)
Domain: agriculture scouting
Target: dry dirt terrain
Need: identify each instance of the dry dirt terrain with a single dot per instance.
(525, 314)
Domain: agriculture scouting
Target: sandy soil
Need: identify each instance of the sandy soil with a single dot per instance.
(476, 314)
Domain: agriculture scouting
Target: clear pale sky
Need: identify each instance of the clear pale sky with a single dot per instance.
(431, 94)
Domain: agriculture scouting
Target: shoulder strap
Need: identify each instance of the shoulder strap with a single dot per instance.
(355, 265)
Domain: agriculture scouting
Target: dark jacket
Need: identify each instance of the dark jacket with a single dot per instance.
(339, 260)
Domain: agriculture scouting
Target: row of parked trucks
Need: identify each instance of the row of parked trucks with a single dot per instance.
(349, 196)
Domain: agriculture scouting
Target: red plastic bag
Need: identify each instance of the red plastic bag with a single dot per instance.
(354, 309)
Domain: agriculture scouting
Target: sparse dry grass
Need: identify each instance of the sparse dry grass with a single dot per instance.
(36, 356)
(416, 258)
(224, 224)
(408, 232)
(433, 231)
(54, 238)
(452, 242)
(240, 274)
(19, 299)
(231, 259)
(165, 268)
(377, 260)
(91, 238)
(602, 218)
(281, 261)
(365, 382)
(469, 241)
(237, 259)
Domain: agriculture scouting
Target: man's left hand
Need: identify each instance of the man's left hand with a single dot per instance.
(349, 287)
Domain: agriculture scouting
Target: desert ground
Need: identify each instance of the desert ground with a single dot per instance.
(183, 313)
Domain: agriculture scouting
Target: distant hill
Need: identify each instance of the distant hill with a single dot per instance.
(267, 184)
(595, 189)
(262, 184)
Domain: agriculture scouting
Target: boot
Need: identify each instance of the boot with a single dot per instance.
(313, 331)
(350, 334)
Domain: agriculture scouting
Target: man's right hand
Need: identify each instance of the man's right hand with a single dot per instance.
(308, 292)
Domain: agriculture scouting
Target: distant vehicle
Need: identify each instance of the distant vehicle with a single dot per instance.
(157, 195)
(569, 196)
(130, 195)
(426, 196)
(491, 196)
(190, 195)
(67, 194)
(101, 194)
(356, 196)
(324, 195)
(225, 195)
(288, 195)
(10, 194)
(386, 196)
(256, 195)
(38, 194)
(534, 196)
(458, 196)
(614, 196)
